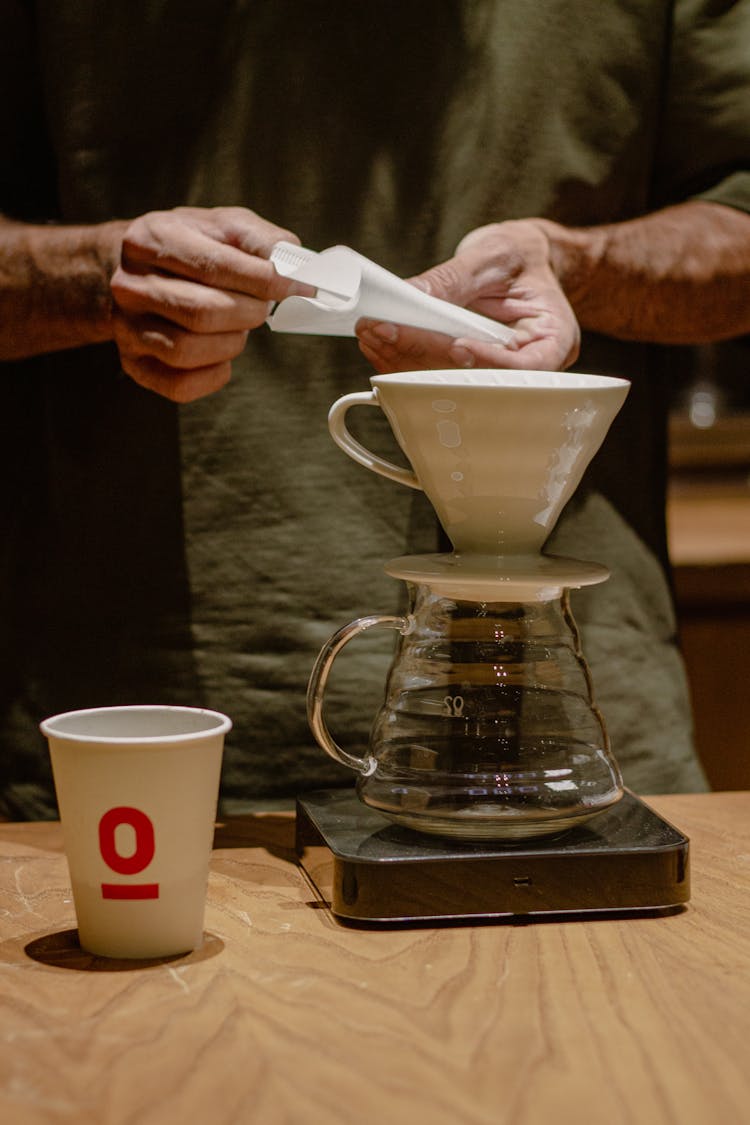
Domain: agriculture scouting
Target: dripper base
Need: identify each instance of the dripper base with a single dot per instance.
(497, 578)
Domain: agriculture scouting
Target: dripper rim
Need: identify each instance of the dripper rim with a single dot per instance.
(506, 378)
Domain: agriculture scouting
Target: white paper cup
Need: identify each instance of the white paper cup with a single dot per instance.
(137, 789)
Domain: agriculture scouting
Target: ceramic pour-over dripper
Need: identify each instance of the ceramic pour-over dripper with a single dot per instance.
(498, 453)
(489, 727)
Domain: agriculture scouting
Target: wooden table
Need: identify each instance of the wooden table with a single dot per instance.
(286, 1016)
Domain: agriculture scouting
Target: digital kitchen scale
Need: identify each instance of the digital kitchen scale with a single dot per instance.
(369, 870)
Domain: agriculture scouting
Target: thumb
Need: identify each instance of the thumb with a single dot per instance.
(450, 281)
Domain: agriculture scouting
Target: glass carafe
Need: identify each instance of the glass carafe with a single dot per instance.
(488, 729)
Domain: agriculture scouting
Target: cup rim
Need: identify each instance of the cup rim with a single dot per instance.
(483, 378)
(51, 727)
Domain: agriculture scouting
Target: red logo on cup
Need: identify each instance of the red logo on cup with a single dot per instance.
(145, 846)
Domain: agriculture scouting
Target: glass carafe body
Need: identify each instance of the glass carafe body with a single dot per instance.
(488, 729)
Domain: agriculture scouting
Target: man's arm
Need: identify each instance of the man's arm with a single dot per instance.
(54, 286)
(681, 275)
(677, 276)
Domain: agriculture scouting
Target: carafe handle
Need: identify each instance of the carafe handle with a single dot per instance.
(319, 678)
(358, 452)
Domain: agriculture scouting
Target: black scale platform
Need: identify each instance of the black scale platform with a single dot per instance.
(370, 870)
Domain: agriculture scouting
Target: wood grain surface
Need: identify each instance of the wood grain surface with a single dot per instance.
(287, 1016)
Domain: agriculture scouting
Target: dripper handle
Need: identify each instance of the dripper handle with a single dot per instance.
(359, 452)
(319, 678)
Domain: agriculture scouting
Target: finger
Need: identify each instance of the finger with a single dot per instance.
(405, 349)
(376, 360)
(174, 346)
(178, 386)
(408, 349)
(222, 255)
(199, 308)
(240, 227)
(538, 354)
(451, 281)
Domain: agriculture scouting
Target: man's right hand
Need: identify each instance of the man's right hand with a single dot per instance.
(191, 284)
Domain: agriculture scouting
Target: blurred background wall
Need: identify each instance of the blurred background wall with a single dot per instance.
(709, 535)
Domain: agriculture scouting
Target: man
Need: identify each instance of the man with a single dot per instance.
(591, 164)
